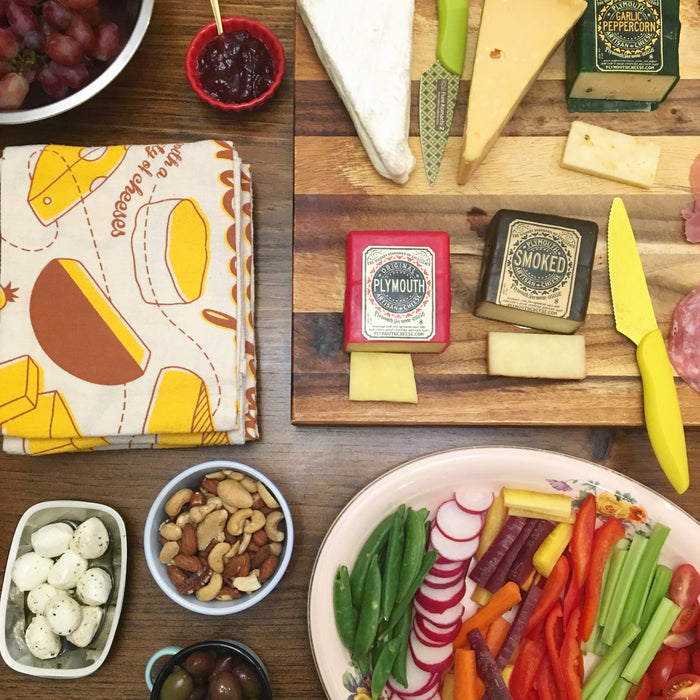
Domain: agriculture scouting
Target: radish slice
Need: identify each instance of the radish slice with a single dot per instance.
(439, 599)
(418, 679)
(429, 658)
(444, 618)
(428, 630)
(457, 524)
(436, 581)
(473, 501)
(457, 569)
(446, 567)
(452, 549)
(436, 641)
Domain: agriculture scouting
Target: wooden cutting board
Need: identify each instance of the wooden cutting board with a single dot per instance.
(336, 190)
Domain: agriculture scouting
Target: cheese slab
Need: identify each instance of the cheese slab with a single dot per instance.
(397, 291)
(378, 376)
(610, 154)
(365, 47)
(623, 56)
(515, 41)
(536, 355)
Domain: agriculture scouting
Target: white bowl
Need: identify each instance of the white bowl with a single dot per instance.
(72, 662)
(191, 478)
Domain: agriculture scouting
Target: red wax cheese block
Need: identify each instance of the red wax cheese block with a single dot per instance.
(80, 329)
(397, 293)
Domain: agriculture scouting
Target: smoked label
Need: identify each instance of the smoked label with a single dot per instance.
(399, 297)
(629, 35)
(538, 272)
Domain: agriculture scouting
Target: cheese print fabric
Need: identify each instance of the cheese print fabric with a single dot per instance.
(126, 297)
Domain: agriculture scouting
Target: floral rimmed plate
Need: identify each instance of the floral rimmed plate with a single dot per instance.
(430, 480)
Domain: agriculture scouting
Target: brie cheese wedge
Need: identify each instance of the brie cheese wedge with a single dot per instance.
(365, 47)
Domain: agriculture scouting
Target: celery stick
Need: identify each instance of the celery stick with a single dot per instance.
(617, 561)
(602, 677)
(639, 589)
(589, 647)
(659, 586)
(619, 690)
(650, 641)
(612, 624)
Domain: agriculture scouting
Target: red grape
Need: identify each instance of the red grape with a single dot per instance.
(63, 49)
(34, 40)
(73, 76)
(80, 4)
(82, 32)
(92, 15)
(53, 85)
(8, 44)
(20, 18)
(106, 41)
(13, 90)
(57, 15)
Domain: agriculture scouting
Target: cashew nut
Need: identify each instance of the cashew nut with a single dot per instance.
(248, 484)
(211, 590)
(236, 476)
(245, 541)
(271, 523)
(211, 528)
(234, 495)
(176, 502)
(198, 513)
(216, 556)
(247, 584)
(237, 520)
(275, 548)
(170, 531)
(216, 475)
(183, 519)
(268, 498)
(257, 522)
(169, 550)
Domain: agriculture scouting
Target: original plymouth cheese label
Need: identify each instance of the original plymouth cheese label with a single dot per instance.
(399, 299)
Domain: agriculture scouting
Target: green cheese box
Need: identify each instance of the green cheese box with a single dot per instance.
(622, 56)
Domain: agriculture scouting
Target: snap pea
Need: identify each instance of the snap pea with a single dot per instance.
(403, 630)
(392, 562)
(425, 564)
(369, 610)
(371, 547)
(414, 546)
(345, 613)
(383, 666)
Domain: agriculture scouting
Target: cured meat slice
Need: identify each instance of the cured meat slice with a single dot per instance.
(684, 344)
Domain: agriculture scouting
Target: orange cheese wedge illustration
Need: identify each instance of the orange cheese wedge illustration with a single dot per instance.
(19, 387)
(80, 329)
(64, 175)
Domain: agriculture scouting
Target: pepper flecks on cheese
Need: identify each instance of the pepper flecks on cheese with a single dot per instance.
(397, 292)
(623, 56)
(610, 154)
(379, 376)
(515, 41)
(365, 47)
(536, 270)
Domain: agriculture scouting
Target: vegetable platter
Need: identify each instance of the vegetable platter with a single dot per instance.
(336, 190)
(430, 481)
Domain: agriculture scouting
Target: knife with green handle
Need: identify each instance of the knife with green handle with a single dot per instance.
(634, 317)
(440, 83)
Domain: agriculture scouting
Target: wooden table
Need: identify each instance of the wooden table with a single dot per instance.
(318, 468)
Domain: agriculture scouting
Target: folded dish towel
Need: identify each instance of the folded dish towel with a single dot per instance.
(126, 297)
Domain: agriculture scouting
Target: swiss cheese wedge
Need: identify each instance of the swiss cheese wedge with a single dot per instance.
(365, 47)
(515, 41)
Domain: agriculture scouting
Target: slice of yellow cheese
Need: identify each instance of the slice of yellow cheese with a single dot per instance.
(19, 387)
(379, 376)
(50, 418)
(515, 41)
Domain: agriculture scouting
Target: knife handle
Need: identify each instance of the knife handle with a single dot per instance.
(661, 409)
(453, 23)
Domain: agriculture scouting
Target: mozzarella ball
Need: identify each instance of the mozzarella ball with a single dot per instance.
(39, 596)
(69, 567)
(30, 570)
(94, 587)
(52, 540)
(41, 640)
(85, 632)
(90, 539)
(63, 613)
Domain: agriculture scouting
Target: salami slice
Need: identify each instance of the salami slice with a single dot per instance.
(684, 344)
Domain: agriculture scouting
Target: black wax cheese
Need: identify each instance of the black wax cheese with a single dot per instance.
(622, 56)
(536, 270)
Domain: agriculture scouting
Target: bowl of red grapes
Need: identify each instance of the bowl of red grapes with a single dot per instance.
(56, 54)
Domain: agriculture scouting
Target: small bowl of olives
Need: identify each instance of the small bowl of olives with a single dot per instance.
(219, 669)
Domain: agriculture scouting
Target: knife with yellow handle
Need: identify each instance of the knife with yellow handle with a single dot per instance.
(634, 317)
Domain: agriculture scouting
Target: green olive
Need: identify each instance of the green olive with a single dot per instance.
(177, 686)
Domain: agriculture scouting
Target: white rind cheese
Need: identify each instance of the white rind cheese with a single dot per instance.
(365, 47)
(610, 154)
(515, 41)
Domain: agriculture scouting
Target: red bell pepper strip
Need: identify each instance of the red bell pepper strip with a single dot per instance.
(572, 599)
(554, 638)
(582, 539)
(551, 592)
(606, 537)
(527, 663)
(544, 682)
(571, 661)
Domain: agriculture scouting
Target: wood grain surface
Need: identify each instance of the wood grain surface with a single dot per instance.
(336, 190)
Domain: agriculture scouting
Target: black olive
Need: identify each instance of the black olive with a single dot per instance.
(248, 678)
(224, 686)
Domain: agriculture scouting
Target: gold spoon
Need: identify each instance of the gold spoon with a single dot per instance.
(217, 16)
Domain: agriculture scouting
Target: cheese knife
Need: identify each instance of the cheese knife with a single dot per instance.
(634, 317)
(440, 83)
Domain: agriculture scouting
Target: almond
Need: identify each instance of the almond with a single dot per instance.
(259, 557)
(177, 575)
(188, 541)
(238, 565)
(188, 562)
(267, 568)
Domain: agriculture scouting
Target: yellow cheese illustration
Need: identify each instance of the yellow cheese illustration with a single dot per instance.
(19, 387)
(209, 439)
(50, 418)
(63, 175)
(170, 247)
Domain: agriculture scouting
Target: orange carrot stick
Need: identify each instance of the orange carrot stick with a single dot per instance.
(501, 601)
(496, 634)
(465, 687)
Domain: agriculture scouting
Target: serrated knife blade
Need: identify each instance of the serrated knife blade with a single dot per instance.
(439, 85)
(635, 318)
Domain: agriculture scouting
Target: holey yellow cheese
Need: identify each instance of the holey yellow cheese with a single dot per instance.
(380, 376)
(516, 39)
